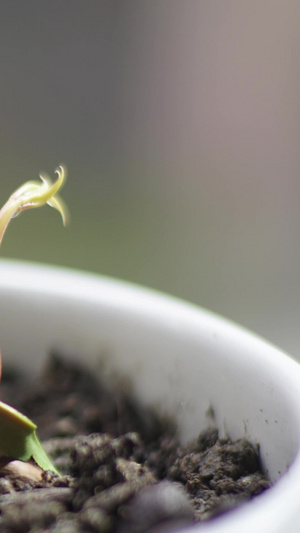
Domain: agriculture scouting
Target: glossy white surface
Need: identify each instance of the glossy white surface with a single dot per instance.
(177, 357)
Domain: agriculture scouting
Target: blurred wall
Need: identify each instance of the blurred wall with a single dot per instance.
(179, 125)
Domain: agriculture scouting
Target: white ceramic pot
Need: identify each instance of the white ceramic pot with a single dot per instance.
(179, 358)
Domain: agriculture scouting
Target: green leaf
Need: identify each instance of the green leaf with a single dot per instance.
(18, 438)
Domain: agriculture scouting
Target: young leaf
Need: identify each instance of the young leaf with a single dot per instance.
(35, 194)
(18, 438)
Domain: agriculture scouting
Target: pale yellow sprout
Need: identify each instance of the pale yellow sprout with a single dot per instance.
(35, 194)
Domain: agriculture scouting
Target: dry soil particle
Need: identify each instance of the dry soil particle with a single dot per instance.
(123, 469)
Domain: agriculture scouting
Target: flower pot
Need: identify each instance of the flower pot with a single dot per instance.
(181, 359)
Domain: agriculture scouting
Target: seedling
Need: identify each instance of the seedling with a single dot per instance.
(18, 438)
(34, 194)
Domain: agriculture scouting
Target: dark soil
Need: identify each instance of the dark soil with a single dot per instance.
(123, 469)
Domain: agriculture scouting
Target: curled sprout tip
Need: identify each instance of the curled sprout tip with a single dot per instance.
(35, 194)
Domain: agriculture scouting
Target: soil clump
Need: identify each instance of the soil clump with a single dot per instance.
(123, 469)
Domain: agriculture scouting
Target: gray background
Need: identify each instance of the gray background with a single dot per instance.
(179, 124)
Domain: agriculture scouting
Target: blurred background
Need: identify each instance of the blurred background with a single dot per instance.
(179, 123)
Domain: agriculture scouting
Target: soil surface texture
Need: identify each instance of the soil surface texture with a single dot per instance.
(123, 469)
